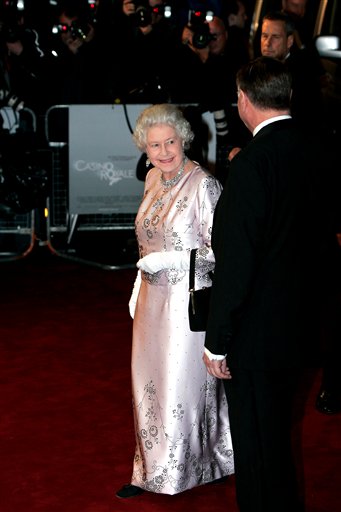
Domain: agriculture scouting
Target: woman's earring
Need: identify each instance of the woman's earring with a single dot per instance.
(147, 162)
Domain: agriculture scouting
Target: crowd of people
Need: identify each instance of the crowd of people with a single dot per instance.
(147, 51)
(103, 51)
(127, 51)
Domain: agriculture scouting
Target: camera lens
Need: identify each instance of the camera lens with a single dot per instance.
(79, 30)
(201, 36)
(15, 103)
(143, 16)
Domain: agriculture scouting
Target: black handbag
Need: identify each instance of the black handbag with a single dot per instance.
(199, 301)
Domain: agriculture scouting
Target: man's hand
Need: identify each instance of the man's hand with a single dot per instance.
(233, 153)
(128, 7)
(217, 368)
(15, 48)
(187, 38)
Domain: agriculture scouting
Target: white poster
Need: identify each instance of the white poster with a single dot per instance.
(103, 160)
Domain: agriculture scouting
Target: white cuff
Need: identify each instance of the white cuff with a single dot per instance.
(214, 357)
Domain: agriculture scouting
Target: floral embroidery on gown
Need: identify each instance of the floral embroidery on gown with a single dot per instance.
(180, 411)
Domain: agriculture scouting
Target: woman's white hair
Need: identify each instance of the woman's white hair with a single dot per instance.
(164, 113)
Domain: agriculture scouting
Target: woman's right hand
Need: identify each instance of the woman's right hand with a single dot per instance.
(156, 261)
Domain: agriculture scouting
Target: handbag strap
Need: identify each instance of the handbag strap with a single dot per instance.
(192, 269)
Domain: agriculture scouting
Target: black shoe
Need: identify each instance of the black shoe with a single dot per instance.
(129, 491)
(328, 403)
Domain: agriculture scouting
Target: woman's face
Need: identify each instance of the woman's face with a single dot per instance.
(164, 149)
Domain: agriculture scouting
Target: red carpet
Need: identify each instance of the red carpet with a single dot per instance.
(66, 432)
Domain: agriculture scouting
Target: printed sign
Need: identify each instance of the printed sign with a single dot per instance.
(103, 160)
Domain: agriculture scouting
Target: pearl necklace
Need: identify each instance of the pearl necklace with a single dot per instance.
(173, 181)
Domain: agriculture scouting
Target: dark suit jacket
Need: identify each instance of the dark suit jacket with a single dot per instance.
(264, 242)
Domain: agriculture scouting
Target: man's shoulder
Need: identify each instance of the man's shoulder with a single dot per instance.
(276, 137)
(279, 131)
(278, 123)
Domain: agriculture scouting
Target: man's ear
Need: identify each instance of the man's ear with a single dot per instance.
(290, 41)
(231, 19)
(243, 99)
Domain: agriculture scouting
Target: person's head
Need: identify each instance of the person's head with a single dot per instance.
(75, 25)
(219, 36)
(163, 133)
(153, 3)
(156, 14)
(295, 7)
(212, 36)
(264, 87)
(67, 19)
(236, 13)
(277, 36)
(146, 13)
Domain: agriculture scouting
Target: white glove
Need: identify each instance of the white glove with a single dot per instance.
(156, 261)
(134, 294)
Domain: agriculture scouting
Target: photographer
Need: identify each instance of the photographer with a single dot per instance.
(145, 36)
(23, 63)
(80, 71)
(208, 78)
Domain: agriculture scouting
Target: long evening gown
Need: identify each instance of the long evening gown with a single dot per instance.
(180, 411)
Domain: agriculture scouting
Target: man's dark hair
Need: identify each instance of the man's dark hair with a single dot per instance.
(232, 7)
(267, 83)
(289, 23)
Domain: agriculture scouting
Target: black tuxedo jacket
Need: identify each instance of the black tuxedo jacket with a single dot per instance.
(264, 242)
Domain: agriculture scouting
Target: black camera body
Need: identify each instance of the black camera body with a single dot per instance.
(144, 12)
(198, 23)
(10, 22)
(77, 29)
(11, 33)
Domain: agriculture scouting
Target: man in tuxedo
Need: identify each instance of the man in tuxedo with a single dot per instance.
(258, 320)
(278, 42)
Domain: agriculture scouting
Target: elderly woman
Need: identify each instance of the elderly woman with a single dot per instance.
(180, 411)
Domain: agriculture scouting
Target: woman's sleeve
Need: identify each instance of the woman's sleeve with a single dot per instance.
(209, 190)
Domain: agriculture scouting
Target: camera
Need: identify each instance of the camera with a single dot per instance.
(8, 99)
(24, 181)
(198, 23)
(10, 21)
(144, 12)
(11, 33)
(77, 29)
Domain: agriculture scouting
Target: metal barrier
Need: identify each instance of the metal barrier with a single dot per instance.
(101, 239)
(17, 235)
(94, 187)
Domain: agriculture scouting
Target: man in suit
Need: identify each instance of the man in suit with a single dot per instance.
(278, 42)
(257, 328)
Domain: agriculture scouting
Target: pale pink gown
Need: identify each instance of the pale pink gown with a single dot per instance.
(180, 411)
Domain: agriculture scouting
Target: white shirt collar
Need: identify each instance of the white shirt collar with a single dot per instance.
(269, 121)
